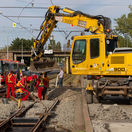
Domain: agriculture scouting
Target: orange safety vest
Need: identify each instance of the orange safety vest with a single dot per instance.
(41, 84)
(19, 84)
(9, 78)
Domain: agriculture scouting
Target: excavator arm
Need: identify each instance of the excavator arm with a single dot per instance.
(94, 24)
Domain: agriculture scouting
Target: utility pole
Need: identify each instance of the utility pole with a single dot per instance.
(22, 60)
(7, 49)
(22, 48)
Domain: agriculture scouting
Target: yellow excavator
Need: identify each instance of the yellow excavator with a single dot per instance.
(96, 55)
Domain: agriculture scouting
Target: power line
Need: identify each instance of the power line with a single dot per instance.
(23, 7)
(87, 4)
(18, 24)
(27, 16)
(51, 2)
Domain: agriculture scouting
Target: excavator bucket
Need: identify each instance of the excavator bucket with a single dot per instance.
(43, 65)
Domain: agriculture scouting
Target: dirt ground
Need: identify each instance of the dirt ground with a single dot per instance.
(63, 118)
(111, 117)
(67, 116)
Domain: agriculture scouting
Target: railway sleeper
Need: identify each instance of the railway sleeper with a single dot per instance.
(24, 122)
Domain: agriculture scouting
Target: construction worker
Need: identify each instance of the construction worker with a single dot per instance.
(61, 76)
(46, 85)
(22, 84)
(34, 82)
(40, 85)
(10, 82)
(29, 80)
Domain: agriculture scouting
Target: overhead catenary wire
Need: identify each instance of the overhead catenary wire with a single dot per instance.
(57, 26)
(71, 4)
(27, 16)
(24, 8)
(11, 7)
(18, 24)
(51, 2)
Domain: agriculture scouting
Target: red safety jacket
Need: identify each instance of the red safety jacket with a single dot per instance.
(10, 79)
(40, 83)
(46, 81)
(22, 83)
(34, 76)
(29, 78)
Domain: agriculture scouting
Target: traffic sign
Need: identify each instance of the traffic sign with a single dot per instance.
(14, 24)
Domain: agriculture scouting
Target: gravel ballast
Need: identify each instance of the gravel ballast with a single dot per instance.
(65, 111)
(109, 112)
(7, 109)
(101, 115)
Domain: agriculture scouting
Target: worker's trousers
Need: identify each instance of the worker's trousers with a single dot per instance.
(25, 95)
(40, 90)
(10, 86)
(60, 82)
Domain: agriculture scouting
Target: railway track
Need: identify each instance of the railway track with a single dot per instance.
(87, 120)
(17, 122)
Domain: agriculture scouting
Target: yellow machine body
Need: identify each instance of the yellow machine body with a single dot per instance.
(85, 62)
(90, 54)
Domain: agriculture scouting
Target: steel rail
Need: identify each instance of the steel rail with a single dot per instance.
(43, 118)
(7, 122)
(87, 121)
(25, 109)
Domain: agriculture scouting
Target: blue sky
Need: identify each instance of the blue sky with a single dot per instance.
(110, 8)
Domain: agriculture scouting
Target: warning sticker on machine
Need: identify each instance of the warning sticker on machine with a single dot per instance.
(82, 23)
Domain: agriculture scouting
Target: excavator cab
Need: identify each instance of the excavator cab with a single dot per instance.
(89, 53)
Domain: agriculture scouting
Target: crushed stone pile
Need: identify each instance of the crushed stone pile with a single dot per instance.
(6, 110)
(64, 113)
(108, 112)
(56, 93)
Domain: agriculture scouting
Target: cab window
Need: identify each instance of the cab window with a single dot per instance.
(79, 51)
(111, 44)
(94, 48)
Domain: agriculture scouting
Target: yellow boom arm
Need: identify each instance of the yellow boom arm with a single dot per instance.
(94, 24)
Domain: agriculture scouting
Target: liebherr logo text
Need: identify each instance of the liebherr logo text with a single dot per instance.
(82, 23)
(119, 69)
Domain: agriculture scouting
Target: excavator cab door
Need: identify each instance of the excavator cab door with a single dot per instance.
(94, 56)
(88, 55)
(78, 57)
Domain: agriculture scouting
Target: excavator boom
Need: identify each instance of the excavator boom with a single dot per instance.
(94, 24)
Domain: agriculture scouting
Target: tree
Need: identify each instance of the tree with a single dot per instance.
(18, 43)
(124, 29)
(58, 46)
(53, 45)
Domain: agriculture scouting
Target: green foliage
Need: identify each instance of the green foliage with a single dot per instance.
(55, 46)
(58, 46)
(124, 29)
(17, 44)
(4, 48)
